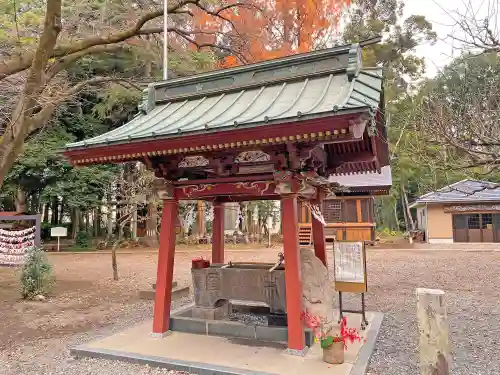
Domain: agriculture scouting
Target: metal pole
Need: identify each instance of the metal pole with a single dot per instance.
(165, 39)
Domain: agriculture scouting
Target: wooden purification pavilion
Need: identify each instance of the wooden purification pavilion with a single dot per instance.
(271, 130)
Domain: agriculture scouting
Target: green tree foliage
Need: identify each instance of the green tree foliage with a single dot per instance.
(83, 240)
(371, 18)
(396, 54)
(458, 115)
(41, 172)
(420, 113)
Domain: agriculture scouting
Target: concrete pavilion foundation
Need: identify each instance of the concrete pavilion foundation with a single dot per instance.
(228, 348)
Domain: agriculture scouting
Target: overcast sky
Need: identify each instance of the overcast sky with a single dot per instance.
(441, 13)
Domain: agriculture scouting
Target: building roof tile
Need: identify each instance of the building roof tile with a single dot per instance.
(465, 191)
(365, 181)
(293, 89)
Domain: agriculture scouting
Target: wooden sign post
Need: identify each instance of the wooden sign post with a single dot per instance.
(350, 273)
(58, 232)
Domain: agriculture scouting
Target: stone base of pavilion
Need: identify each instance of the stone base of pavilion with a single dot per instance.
(218, 355)
(177, 292)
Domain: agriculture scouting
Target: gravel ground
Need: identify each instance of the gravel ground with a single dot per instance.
(248, 318)
(51, 356)
(470, 281)
(87, 304)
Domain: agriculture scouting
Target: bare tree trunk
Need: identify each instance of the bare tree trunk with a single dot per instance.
(396, 223)
(40, 206)
(55, 211)
(97, 221)
(87, 222)
(133, 224)
(268, 232)
(24, 119)
(151, 221)
(407, 227)
(81, 221)
(20, 200)
(408, 211)
(114, 263)
(45, 215)
(61, 212)
(43, 211)
(110, 222)
(109, 214)
(76, 222)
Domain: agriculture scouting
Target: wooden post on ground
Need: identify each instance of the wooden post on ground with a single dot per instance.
(435, 358)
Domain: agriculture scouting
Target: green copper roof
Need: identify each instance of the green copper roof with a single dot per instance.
(221, 101)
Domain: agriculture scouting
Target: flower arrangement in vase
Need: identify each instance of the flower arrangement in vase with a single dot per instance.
(333, 345)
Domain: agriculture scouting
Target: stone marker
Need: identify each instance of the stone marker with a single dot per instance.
(317, 292)
(435, 358)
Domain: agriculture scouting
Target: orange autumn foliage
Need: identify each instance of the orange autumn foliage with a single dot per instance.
(267, 29)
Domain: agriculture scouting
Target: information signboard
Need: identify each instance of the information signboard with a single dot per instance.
(350, 266)
(58, 232)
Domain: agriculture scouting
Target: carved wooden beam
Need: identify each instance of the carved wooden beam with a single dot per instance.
(224, 166)
(314, 159)
(164, 188)
(340, 160)
(360, 157)
(169, 167)
(250, 190)
(293, 156)
(358, 125)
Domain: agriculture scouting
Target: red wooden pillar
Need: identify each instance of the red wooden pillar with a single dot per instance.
(319, 234)
(293, 278)
(165, 273)
(218, 233)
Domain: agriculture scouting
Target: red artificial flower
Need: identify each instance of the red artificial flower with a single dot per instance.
(346, 334)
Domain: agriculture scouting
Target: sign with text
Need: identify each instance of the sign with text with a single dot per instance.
(58, 232)
(350, 266)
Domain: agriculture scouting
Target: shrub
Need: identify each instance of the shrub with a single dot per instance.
(83, 240)
(36, 274)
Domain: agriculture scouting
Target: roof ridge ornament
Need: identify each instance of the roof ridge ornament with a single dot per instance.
(355, 62)
(147, 100)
